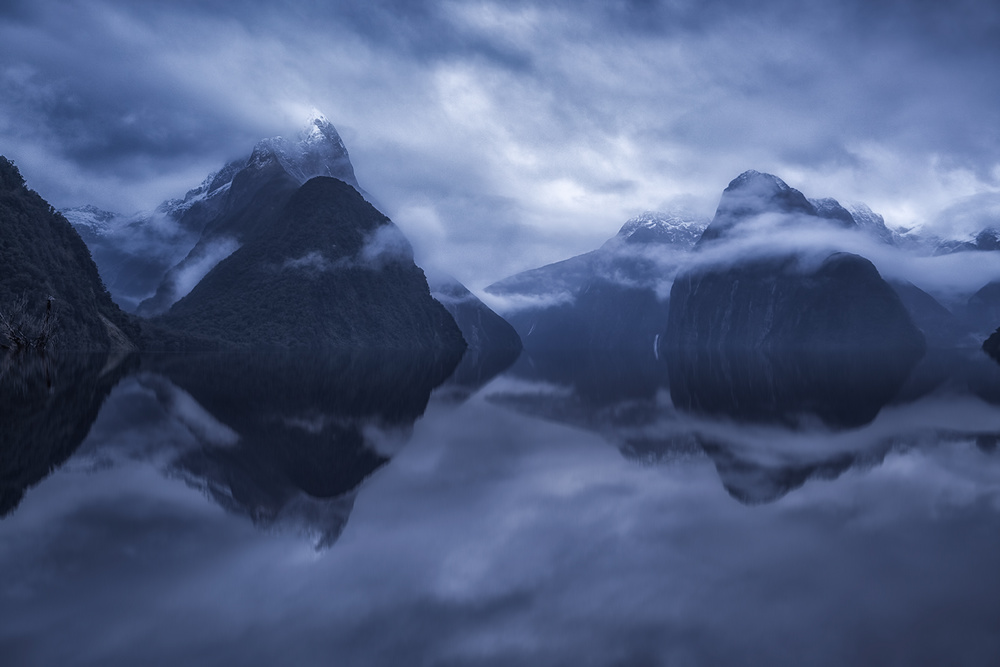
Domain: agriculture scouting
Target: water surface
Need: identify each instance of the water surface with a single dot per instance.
(574, 510)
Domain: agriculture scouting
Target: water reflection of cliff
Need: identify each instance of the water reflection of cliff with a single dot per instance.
(769, 423)
(49, 403)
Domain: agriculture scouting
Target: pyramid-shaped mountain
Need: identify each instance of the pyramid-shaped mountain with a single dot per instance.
(320, 267)
(265, 181)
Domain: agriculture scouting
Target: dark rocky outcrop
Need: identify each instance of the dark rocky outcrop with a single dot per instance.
(777, 304)
(991, 345)
(784, 300)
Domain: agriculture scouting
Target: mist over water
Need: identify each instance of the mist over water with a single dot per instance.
(575, 509)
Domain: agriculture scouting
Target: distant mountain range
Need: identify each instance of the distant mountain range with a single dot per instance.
(620, 296)
(283, 248)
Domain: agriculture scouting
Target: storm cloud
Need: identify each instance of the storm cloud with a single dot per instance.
(503, 135)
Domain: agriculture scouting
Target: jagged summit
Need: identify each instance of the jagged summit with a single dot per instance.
(318, 151)
(135, 253)
(677, 228)
(871, 222)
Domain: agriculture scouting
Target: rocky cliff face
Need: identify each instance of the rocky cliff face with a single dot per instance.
(785, 299)
(778, 304)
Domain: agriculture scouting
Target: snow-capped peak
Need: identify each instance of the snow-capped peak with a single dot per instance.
(319, 151)
(679, 228)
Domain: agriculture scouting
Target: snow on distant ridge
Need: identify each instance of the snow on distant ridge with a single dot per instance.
(677, 228)
(91, 218)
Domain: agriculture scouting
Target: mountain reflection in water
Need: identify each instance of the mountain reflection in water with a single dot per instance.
(768, 422)
(383, 509)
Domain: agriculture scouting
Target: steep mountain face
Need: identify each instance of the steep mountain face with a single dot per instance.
(48, 275)
(482, 328)
(778, 304)
(786, 300)
(134, 252)
(941, 328)
(322, 269)
(275, 168)
(982, 312)
(610, 298)
(151, 259)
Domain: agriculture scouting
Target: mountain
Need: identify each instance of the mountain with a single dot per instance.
(871, 222)
(150, 259)
(753, 194)
(318, 267)
(609, 298)
(275, 168)
(482, 328)
(493, 343)
(49, 277)
(982, 311)
(941, 328)
(783, 300)
(134, 252)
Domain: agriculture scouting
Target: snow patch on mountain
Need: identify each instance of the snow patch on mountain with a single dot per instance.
(95, 220)
(318, 151)
(676, 228)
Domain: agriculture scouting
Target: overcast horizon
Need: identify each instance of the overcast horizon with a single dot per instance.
(502, 136)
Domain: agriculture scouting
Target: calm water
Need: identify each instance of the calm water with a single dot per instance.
(583, 510)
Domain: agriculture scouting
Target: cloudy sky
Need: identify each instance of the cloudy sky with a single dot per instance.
(502, 135)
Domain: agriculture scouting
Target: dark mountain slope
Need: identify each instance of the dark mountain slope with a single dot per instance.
(785, 300)
(326, 270)
(43, 257)
(775, 304)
